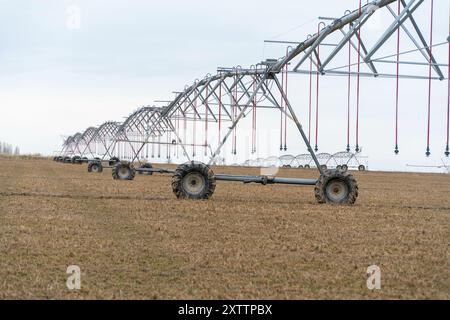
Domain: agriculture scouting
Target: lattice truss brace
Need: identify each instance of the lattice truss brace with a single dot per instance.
(222, 100)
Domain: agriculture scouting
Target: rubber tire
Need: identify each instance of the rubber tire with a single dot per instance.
(122, 165)
(307, 166)
(339, 167)
(147, 165)
(344, 167)
(76, 160)
(323, 167)
(191, 167)
(92, 165)
(361, 168)
(113, 161)
(300, 167)
(333, 175)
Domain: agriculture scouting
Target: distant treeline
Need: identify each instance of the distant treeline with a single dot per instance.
(6, 148)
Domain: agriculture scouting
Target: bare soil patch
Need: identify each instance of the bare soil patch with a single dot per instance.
(135, 240)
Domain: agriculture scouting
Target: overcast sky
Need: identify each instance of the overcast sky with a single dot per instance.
(59, 76)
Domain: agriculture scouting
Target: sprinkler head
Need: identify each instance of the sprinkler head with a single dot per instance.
(316, 148)
(396, 150)
(348, 148)
(428, 153)
(447, 151)
(357, 149)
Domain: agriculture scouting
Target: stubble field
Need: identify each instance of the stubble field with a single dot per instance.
(135, 240)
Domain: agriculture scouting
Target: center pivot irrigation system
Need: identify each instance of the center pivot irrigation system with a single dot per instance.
(218, 103)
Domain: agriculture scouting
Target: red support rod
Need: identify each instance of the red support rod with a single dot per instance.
(281, 110)
(178, 131)
(159, 147)
(169, 136)
(234, 118)
(397, 92)
(285, 105)
(220, 110)
(316, 148)
(358, 80)
(254, 119)
(185, 125)
(447, 149)
(310, 99)
(349, 83)
(194, 127)
(206, 122)
(428, 153)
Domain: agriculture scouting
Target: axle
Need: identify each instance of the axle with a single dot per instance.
(265, 180)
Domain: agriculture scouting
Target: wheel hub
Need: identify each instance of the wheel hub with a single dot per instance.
(123, 172)
(337, 190)
(194, 183)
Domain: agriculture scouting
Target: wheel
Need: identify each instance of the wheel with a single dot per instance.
(336, 186)
(113, 161)
(344, 167)
(361, 168)
(84, 159)
(95, 167)
(123, 171)
(193, 180)
(76, 160)
(339, 167)
(324, 167)
(307, 166)
(67, 160)
(300, 167)
(287, 166)
(147, 165)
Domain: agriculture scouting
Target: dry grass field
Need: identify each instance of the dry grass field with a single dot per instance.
(135, 240)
